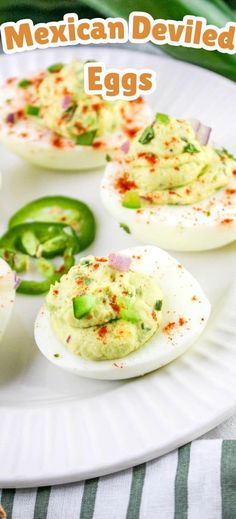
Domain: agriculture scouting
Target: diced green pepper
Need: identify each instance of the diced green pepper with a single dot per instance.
(59, 209)
(162, 118)
(86, 139)
(131, 200)
(82, 305)
(32, 110)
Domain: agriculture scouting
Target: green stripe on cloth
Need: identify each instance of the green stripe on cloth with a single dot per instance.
(89, 498)
(181, 483)
(136, 491)
(41, 503)
(228, 479)
(7, 500)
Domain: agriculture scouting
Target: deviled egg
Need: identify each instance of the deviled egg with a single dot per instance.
(8, 285)
(172, 189)
(121, 316)
(49, 120)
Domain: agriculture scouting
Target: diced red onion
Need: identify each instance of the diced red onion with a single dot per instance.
(11, 118)
(16, 281)
(203, 134)
(66, 102)
(125, 146)
(202, 131)
(118, 262)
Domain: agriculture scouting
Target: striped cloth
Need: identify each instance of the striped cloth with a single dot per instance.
(197, 481)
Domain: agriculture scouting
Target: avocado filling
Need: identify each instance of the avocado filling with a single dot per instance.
(100, 312)
(166, 164)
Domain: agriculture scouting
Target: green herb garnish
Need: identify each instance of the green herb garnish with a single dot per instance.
(223, 152)
(131, 200)
(145, 328)
(86, 139)
(158, 305)
(24, 83)
(56, 67)
(147, 135)
(108, 158)
(56, 355)
(125, 228)
(32, 110)
(162, 118)
(190, 148)
(82, 305)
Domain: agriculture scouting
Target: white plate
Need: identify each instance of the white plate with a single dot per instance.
(57, 427)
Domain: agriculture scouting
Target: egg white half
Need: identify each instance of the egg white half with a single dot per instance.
(33, 142)
(205, 225)
(7, 295)
(184, 304)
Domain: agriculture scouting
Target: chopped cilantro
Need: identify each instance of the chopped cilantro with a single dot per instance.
(108, 158)
(56, 67)
(24, 83)
(125, 228)
(147, 135)
(32, 110)
(190, 148)
(224, 151)
(56, 355)
(158, 305)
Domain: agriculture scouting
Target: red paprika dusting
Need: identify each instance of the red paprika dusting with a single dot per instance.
(102, 260)
(168, 327)
(226, 220)
(55, 292)
(115, 307)
(154, 316)
(20, 114)
(131, 132)
(57, 141)
(102, 332)
(182, 321)
(230, 191)
(139, 100)
(96, 266)
(96, 106)
(10, 80)
(98, 144)
(149, 157)
(123, 184)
